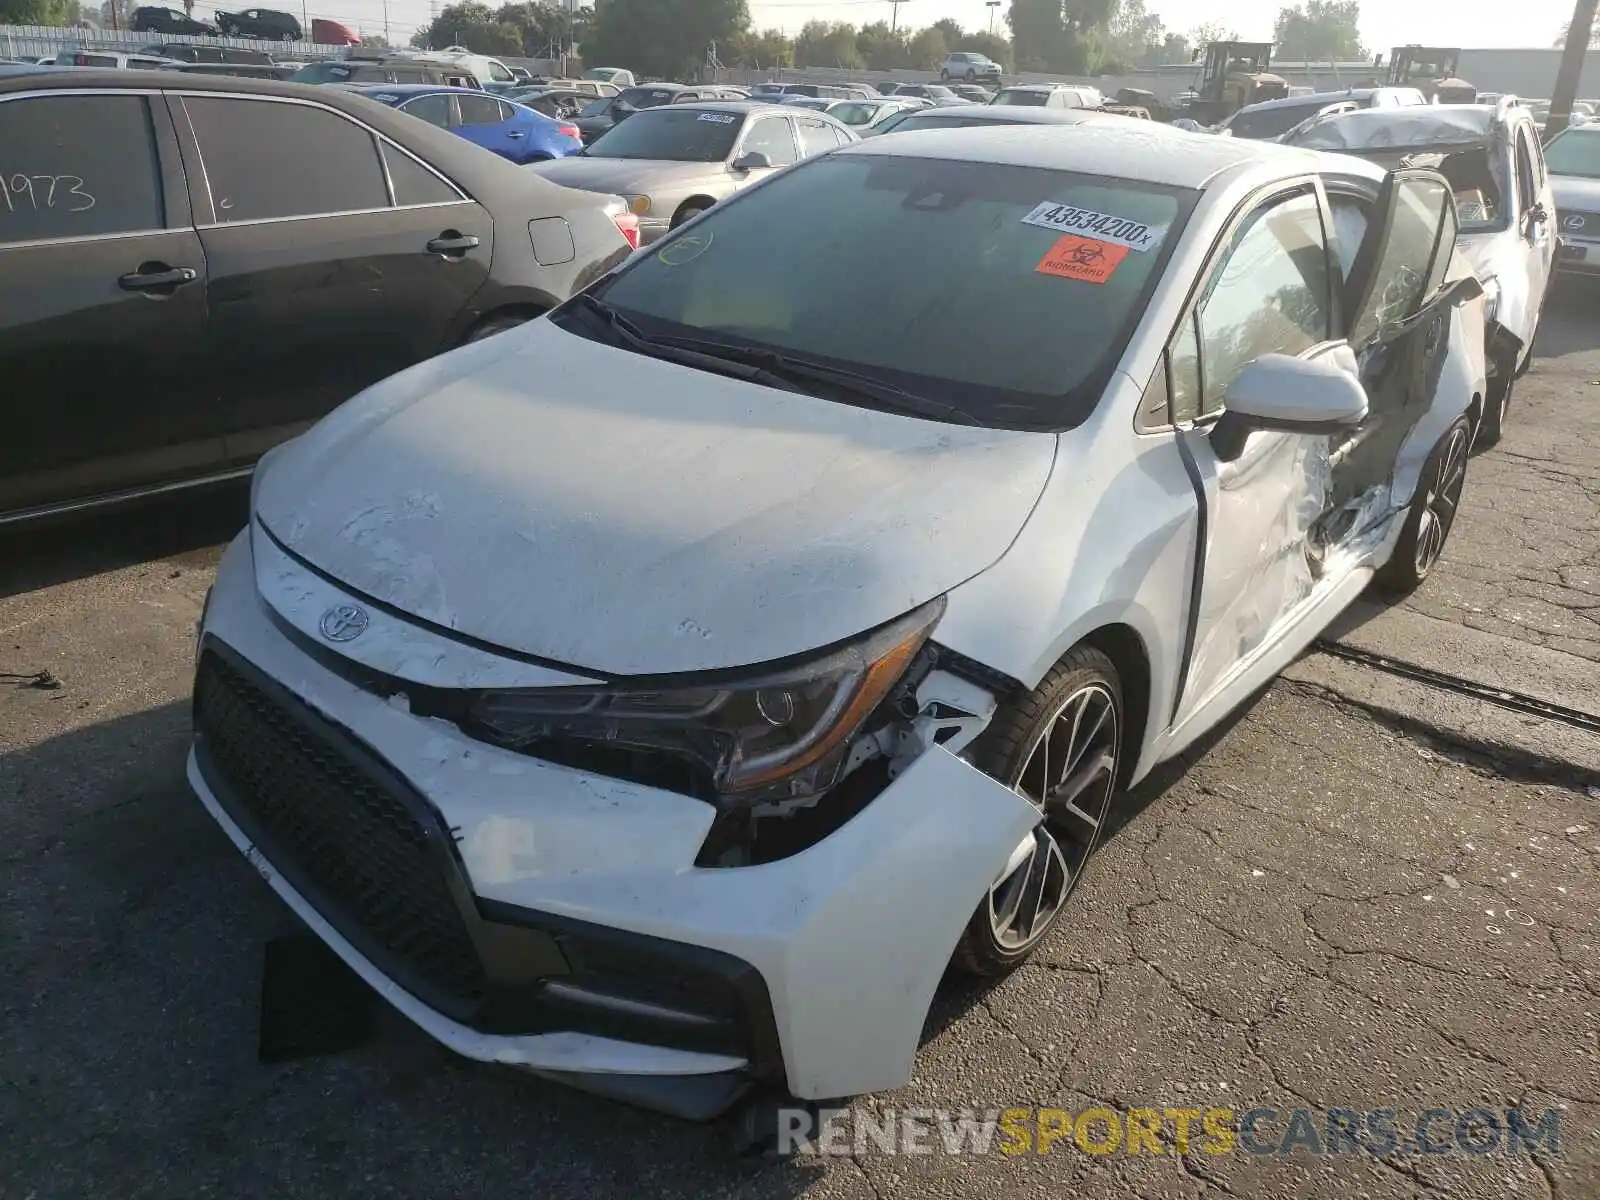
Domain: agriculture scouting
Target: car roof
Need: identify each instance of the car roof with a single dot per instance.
(1119, 147)
(486, 177)
(731, 106)
(1013, 114)
(1309, 98)
(417, 89)
(1412, 125)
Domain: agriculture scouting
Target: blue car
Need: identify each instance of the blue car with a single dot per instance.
(509, 130)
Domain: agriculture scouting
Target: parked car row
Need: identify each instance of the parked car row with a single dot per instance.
(662, 695)
(231, 294)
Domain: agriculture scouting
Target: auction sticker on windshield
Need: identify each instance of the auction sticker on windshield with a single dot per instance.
(1120, 231)
(718, 118)
(1083, 259)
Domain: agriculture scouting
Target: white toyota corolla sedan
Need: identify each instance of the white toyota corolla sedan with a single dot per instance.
(660, 696)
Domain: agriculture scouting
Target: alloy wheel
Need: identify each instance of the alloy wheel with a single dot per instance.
(1442, 500)
(1069, 774)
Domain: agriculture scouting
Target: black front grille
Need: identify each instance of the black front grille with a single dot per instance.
(344, 830)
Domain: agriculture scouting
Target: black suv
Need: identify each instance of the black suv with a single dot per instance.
(266, 23)
(195, 268)
(154, 19)
(192, 52)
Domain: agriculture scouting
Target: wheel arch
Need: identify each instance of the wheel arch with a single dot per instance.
(700, 200)
(525, 310)
(1126, 649)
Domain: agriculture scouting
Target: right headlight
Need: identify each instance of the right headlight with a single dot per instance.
(775, 732)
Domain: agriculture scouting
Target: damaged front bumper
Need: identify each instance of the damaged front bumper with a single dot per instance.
(529, 914)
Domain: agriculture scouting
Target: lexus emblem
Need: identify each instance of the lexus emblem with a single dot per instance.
(343, 622)
(1575, 221)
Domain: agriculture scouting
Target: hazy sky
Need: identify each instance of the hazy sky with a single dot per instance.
(1470, 23)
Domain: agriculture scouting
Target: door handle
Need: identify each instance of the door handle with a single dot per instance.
(452, 243)
(156, 277)
(515, 133)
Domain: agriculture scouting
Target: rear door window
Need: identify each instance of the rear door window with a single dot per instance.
(72, 166)
(815, 138)
(482, 110)
(771, 136)
(435, 110)
(414, 183)
(266, 159)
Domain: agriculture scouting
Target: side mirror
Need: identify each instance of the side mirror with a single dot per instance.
(751, 160)
(1290, 395)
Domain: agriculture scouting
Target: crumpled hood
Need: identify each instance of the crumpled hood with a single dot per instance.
(624, 515)
(630, 175)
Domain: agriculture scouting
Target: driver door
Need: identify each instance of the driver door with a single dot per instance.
(1270, 290)
(1398, 304)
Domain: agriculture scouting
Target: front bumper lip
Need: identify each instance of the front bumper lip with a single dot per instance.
(559, 1051)
(850, 936)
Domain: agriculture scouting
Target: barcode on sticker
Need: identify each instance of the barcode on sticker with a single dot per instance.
(1105, 227)
(718, 118)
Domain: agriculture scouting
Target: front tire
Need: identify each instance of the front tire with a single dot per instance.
(944, 76)
(1060, 746)
(1432, 514)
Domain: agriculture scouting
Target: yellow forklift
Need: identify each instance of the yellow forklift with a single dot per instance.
(1235, 74)
(1434, 71)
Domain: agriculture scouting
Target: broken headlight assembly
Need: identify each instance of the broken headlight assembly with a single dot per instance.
(735, 738)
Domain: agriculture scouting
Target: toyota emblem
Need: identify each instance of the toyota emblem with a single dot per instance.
(343, 622)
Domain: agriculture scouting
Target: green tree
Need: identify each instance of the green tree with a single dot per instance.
(927, 48)
(881, 49)
(668, 38)
(827, 44)
(950, 29)
(1056, 35)
(1134, 34)
(56, 13)
(763, 51)
(992, 44)
(1594, 36)
(1320, 30)
(1204, 34)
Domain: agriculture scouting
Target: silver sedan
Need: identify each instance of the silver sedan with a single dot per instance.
(672, 163)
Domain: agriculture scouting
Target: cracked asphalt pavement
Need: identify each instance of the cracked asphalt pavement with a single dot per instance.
(1363, 892)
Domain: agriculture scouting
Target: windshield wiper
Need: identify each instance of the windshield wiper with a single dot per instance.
(773, 369)
(793, 370)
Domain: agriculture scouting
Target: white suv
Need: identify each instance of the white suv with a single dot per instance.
(969, 65)
(1505, 204)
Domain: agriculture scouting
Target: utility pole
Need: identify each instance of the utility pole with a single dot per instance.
(1571, 71)
(894, 10)
(386, 40)
(993, 6)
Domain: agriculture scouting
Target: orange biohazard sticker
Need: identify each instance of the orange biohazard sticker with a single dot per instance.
(1083, 259)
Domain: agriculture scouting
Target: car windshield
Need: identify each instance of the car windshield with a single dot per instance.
(672, 134)
(323, 72)
(597, 108)
(938, 120)
(894, 120)
(644, 97)
(1574, 152)
(861, 280)
(1020, 96)
(938, 91)
(1273, 122)
(854, 112)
